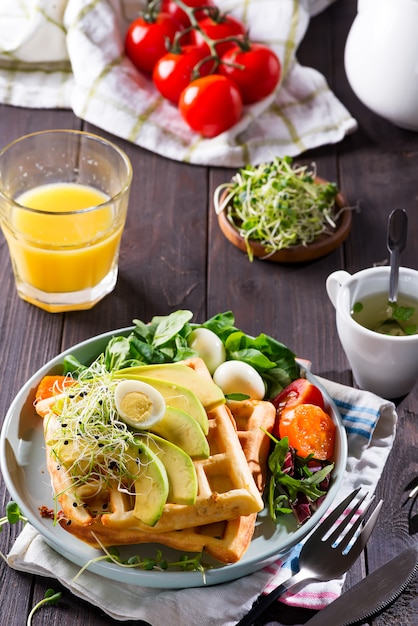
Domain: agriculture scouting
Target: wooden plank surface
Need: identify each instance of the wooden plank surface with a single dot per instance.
(174, 256)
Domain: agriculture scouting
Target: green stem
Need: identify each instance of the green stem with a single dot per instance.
(50, 598)
(242, 42)
(216, 16)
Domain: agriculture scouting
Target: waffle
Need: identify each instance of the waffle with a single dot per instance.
(231, 481)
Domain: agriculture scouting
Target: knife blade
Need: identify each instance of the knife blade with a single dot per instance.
(372, 594)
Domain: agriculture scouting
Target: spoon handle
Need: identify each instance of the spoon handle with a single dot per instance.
(396, 241)
(394, 275)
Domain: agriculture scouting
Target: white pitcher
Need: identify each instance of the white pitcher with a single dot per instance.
(381, 59)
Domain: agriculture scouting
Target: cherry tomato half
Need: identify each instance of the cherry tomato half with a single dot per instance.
(145, 41)
(170, 6)
(300, 391)
(255, 71)
(174, 71)
(219, 28)
(310, 431)
(211, 105)
(52, 385)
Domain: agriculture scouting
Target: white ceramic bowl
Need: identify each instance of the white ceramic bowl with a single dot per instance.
(23, 466)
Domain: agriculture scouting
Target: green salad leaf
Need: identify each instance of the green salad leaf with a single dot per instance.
(291, 478)
(165, 340)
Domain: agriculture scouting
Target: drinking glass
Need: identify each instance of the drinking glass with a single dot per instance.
(63, 204)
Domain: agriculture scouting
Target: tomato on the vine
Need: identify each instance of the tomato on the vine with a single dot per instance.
(170, 6)
(218, 27)
(175, 70)
(146, 37)
(254, 68)
(211, 105)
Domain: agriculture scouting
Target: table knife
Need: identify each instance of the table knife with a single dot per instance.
(372, 594)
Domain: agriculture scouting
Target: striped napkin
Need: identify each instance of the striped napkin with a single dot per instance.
(69, 54)
(370, 423)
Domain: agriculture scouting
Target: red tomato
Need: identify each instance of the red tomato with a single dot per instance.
(300, 391)
(259, 73)
(310, 431)
(170, 6)
(145, 41)
(174, 71)
(211, 105)
(219, 28)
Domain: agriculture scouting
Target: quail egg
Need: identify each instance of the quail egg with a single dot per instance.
(139, 404)
(208, 346)
(239, 377)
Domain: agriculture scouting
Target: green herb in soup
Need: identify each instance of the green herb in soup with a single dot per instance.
(376, 313)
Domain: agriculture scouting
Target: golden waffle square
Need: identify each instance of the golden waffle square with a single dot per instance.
(231, 481)
(227, 540)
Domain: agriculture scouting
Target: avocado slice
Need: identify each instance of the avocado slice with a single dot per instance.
(181, 473)
(184, 431)
(174, 395)
(205, 389)
(151, 486)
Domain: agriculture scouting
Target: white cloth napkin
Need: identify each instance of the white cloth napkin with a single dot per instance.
(69, 54)
(370, 423)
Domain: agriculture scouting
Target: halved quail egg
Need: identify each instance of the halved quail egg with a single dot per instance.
(139, 404)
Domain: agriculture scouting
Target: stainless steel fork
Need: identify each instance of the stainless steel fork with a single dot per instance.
(328, 552)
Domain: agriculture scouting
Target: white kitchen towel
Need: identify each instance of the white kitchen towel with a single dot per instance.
(70, 54)
(370, 423)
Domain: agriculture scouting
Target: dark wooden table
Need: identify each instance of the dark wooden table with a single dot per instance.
(174, 256)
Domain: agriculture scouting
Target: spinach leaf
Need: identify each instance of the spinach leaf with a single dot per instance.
(164, 340)
(168, 327)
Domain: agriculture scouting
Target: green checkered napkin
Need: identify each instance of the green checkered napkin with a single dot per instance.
(69, 54)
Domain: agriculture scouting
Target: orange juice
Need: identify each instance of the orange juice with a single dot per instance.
(64, 246)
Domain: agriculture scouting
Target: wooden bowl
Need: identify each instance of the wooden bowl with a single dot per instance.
(320, 247)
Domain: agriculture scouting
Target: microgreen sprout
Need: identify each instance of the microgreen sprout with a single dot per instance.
(13, 516)
(278, 204)
(159, 563)
(91, 440)
(50, 597)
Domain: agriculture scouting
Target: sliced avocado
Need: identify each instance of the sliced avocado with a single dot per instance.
(175, 395)
(184, 431)
(205, 389)
(65, 452)
(75, 457)
(151, 487)
(181, 473)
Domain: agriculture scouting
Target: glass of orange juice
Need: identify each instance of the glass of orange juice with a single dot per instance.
(63, 204)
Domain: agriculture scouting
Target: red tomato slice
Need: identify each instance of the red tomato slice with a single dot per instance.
(256, 70)
(174, 71)
(146, 41)
(300, 391)
(310, 431)
(211, 105)
(219, 28)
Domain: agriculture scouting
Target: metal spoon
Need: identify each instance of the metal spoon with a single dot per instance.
(396, 241)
